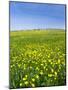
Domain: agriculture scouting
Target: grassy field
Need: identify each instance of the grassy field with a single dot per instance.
(37, 58)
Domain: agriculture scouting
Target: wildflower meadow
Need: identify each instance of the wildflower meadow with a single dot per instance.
(37, 58)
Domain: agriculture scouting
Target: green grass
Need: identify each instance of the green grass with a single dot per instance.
(37, 58)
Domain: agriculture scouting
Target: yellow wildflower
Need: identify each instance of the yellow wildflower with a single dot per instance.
(55, 78)
(41, 72)
(11, 66)
(26, 82)
(37, 68)
(24, 78)
(33, 85)
(33, 79)
(51, 63)
(52, 70)
(58, 61)
(20, 84)
(41, 64)
(19, 65)
(44, 67)
(49, 60)
(55, 73)
(30, 67)
(37, 76)
(49, 75)
(49, 56)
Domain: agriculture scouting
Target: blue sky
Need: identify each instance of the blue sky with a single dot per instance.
(35, 16)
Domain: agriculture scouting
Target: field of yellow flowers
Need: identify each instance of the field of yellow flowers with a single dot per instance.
(37, 58)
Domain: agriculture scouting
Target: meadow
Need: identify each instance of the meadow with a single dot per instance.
(37, 58)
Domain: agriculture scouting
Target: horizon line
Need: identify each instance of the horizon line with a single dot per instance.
(39, 29)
